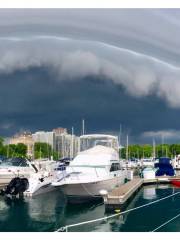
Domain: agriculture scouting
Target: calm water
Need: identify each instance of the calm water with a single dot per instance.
(49, 212)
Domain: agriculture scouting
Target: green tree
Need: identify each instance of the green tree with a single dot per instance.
(1, 141)
(174, 149)
(21, 150)
(44, 150)
(163, 150)
(14, 150)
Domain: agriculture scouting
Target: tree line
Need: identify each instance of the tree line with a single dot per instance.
(41, 150)
(146, 151)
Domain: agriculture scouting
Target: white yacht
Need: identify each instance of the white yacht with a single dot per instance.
(96, 167)
(148, 162)
(176, 162)
(38, 173)
(15, 167)
(40, 182)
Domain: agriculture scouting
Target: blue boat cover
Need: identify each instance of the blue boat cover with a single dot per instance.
(164, 167)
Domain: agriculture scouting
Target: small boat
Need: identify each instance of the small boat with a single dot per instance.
(175, 182)
(149, 173)
(15, 167)
(38, 176)
(164, 167)
(147, 162)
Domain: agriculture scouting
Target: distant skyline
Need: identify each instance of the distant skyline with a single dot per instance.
(108, 66)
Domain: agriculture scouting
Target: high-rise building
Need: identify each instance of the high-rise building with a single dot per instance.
(60, 130)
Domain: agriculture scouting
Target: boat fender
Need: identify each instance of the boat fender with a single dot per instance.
(117, 210)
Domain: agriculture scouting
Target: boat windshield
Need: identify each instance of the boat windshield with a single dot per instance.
(14, 162)
(91, 141)
(147, 160)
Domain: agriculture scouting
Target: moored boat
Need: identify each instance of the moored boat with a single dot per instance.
(175, 182)
(93, 169)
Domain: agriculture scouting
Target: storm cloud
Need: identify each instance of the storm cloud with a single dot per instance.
(133, 53)
(139, 74)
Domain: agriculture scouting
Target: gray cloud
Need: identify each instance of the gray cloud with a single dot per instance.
(165, 134)
(139, 74)
(134, 53)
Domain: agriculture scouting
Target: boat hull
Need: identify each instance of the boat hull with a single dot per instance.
(6, 178)
(80, 192)
(176, 183)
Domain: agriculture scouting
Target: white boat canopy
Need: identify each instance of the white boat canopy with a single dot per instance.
(96, 156)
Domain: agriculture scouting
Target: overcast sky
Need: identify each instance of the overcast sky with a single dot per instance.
(109, 66)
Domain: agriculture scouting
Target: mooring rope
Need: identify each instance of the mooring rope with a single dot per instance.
(162, 225)
(65, 228)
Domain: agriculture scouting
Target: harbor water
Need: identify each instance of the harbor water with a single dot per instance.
(50, 211)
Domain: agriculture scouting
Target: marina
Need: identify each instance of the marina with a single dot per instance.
(89, 119)
(96, 179)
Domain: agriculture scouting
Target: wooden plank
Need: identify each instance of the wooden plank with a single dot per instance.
(124, 189)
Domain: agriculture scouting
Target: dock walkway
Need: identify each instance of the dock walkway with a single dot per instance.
(120, 196)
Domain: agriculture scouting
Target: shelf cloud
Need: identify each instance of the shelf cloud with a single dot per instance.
(123, 60)
(141, 75)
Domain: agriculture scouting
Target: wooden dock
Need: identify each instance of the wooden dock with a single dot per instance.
(119, 197)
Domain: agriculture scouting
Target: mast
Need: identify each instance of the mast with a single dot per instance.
(83, 127)
(120, 142)
(40, 151)
(72, 142)
(162, 140)
(154, 149)
(47, 141)
(7, 150)
(127, 142)
(63, 155)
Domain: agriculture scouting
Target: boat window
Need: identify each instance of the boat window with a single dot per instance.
(87, 143)
(115, 167)
(60, 168)
(15, 162)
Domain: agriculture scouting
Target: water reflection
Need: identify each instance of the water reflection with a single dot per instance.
(50, 211)
(41, 213)
(149, 192)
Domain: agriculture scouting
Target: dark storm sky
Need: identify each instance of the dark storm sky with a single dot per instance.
(107, 66)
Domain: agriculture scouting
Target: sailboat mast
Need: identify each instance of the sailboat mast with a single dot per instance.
(154, 149)
(83, 127)
(162, 143)
(120, 142)
(127, 145)
(72, 143)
